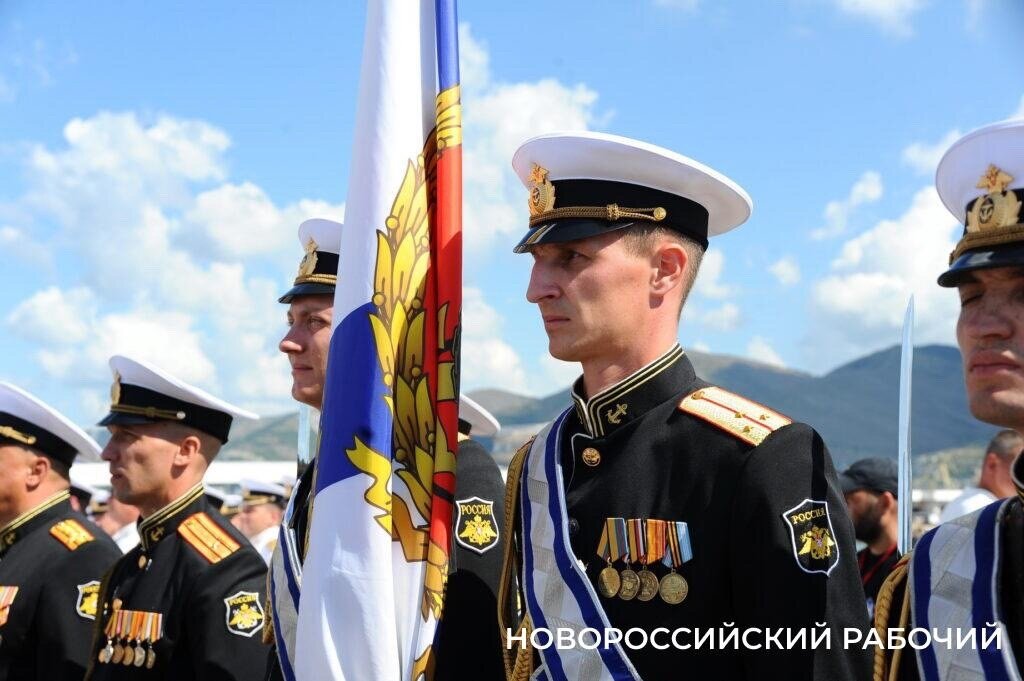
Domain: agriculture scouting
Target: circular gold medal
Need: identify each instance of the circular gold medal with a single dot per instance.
(106, 653)
(673, 588)
(140, 656)
(118, 653)
(129, 656)
(608, 582)
(150, 658)
(630, 585)
(591, 456)
(648, 586)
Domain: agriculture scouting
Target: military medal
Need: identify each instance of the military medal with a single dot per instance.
(119, 630)
(610, 548)
(630, 585)
(673, 589)
(140, 653)
(636, 540)
(139, 656)
(155, 632)
(106, 652)
(655, 532)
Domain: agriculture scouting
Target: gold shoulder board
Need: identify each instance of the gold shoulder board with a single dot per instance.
(207, 537)
(736, 415)
(71, 534)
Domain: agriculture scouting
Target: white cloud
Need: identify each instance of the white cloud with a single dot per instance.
(709, 278)
(723, 318)
(893, 16)
(1019, 113)
(924, 157)
(859, 307)
(761, 350)
(18, 246)
(487, 359)
(75, 339)
(503, 116)
(700, 346)
(785, 270)
(867, 189)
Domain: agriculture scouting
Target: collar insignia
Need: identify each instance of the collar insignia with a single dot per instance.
(615, 417)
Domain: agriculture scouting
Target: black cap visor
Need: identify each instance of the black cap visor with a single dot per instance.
(307, 289)
(1011, 255)
(561, 231)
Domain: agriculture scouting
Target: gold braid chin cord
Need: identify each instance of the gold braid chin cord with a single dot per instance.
(883, 608)
(520, 666)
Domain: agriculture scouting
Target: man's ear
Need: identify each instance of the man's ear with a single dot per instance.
(669, 262)
(39, 470)
(189, 448)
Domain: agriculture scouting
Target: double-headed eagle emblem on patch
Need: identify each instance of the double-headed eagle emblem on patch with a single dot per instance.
(810, 528)
(245, 615)
(475, 527)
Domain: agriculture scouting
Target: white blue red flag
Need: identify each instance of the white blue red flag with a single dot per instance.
(374, 573)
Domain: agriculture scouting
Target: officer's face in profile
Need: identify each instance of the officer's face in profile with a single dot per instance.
(990, 333)
(593, 295)
(15, 469)
(142, 462)
(306, 345)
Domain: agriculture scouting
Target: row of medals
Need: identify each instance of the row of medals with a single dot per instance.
(644, 585)
(129, 653)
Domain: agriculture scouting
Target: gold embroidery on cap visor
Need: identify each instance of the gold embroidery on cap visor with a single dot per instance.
(14, 434)
(993, 219)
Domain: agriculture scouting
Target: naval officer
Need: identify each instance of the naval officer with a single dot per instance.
(656, 502)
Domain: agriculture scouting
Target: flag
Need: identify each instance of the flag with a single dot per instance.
(378, 546)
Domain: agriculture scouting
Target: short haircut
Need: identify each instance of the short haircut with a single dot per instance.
(641, 239)
(1006, 444)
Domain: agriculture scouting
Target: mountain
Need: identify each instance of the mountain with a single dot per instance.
(854, 407)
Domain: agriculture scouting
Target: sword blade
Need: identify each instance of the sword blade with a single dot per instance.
(906, 488)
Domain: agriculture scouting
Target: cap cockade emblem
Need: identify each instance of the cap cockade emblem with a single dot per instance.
(999, 207)
(542, 192)
(115, 389)
(308, 263)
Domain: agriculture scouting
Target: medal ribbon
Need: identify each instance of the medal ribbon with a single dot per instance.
(136, 625)
(655, 541)
(679, 550)
(157, 630)
(637, 541)
(613, 539)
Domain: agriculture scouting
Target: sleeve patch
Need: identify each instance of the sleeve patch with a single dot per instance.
(742, 418)
(476, 528)
(71, 534)
(245, 614)
(207, 537)
(88, 594)
(814, 544)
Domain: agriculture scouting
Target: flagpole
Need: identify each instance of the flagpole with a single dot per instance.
(906, 488)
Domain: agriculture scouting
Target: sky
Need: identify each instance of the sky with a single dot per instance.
(156, 160)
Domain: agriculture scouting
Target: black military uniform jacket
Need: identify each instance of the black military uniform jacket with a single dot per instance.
(207, 584)
(468, 638)
(752, 495)
(51, 562)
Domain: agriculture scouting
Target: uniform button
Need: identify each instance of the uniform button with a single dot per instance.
(591, 456)
(142, 561)
(574, 526)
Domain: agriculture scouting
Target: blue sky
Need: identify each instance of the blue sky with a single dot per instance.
(155, 162)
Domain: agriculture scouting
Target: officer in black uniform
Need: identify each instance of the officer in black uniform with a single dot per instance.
(188, 601)
(657, 501)
(468, 635)
(968, 574)
(468, 631)
(51, 557)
